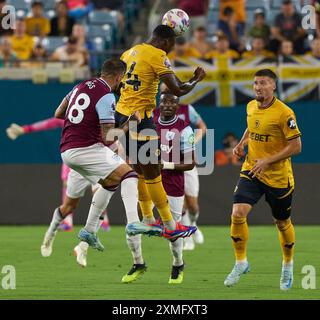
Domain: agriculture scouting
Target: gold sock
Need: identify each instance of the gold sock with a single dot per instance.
(159, 197)
(287, 239)
(145, 201)
(239, 236)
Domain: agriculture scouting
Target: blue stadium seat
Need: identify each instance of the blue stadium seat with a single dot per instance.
(100, 44)
(277, 3)
(103, 17)
(49, 4)
(52, 43)
(254, 4)
(19, 4)
(104, 31)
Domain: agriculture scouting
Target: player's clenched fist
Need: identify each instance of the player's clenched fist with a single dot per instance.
(199, 74)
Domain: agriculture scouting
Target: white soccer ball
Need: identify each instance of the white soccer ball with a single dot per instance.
(176, 19)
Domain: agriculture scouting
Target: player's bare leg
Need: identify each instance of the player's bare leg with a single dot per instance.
(239, 236)
(59, 214)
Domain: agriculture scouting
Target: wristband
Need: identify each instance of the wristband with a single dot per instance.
(168, 165)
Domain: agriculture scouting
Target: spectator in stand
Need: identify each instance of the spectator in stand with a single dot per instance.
(70, 53)
(22, 43)
(316, 4)
(287, 26)
(315, 49)
(115, 5)
(199, 41)
(182, 49)
(3, 29)
(196, 10)
(258, 49)
(286, 52)
(37, 25)
(222, 49)
(260, 28)
(7, 57)
(225, 156)
(79, 9)
(83, 43)
(231, 28)
(239, 9)
(61, 24)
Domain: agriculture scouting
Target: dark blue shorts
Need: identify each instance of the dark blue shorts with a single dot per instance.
(142, 141)
(250, 190)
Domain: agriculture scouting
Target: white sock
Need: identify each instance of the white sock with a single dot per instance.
(99, 203)
(193, 217)
(134, 244)
(244, 261)
(54, 224)
(176, 248)
(287, 264)
(185, 220)
(129, 194)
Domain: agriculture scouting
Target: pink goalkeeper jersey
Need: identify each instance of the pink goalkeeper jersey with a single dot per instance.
(48, 124)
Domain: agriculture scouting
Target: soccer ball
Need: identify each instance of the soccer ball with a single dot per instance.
(176, 19)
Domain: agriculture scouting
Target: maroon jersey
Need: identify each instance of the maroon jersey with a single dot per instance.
(176, 139)
(90, 104)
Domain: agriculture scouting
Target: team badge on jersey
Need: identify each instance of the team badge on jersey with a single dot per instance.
(191, 139)
(291, 123)
(170, 135)
(257, 123)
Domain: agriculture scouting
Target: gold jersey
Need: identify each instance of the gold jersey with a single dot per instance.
(145, 65)
(269, 130)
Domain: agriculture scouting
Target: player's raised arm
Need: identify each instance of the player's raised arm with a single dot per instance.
(179, 88)
(61, 110)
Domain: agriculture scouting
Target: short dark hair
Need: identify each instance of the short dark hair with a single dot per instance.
(266, 73)
(37, 3)
(113, 67)
(228, 11)
(163, 32)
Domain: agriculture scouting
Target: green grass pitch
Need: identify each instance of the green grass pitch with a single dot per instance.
(59, 277)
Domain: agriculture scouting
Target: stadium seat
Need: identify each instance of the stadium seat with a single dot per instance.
(19, 4)
(254, 4)
(49, 4)
(52, 43)
(103, 17)
(277, 3)
(104, 31)
(100, 44)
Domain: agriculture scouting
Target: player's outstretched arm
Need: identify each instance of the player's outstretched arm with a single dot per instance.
(179, 88)
(61, 110)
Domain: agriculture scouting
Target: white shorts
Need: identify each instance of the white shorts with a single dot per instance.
(93, 163)
(191, 183)
(176, 207)
(76, 185)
